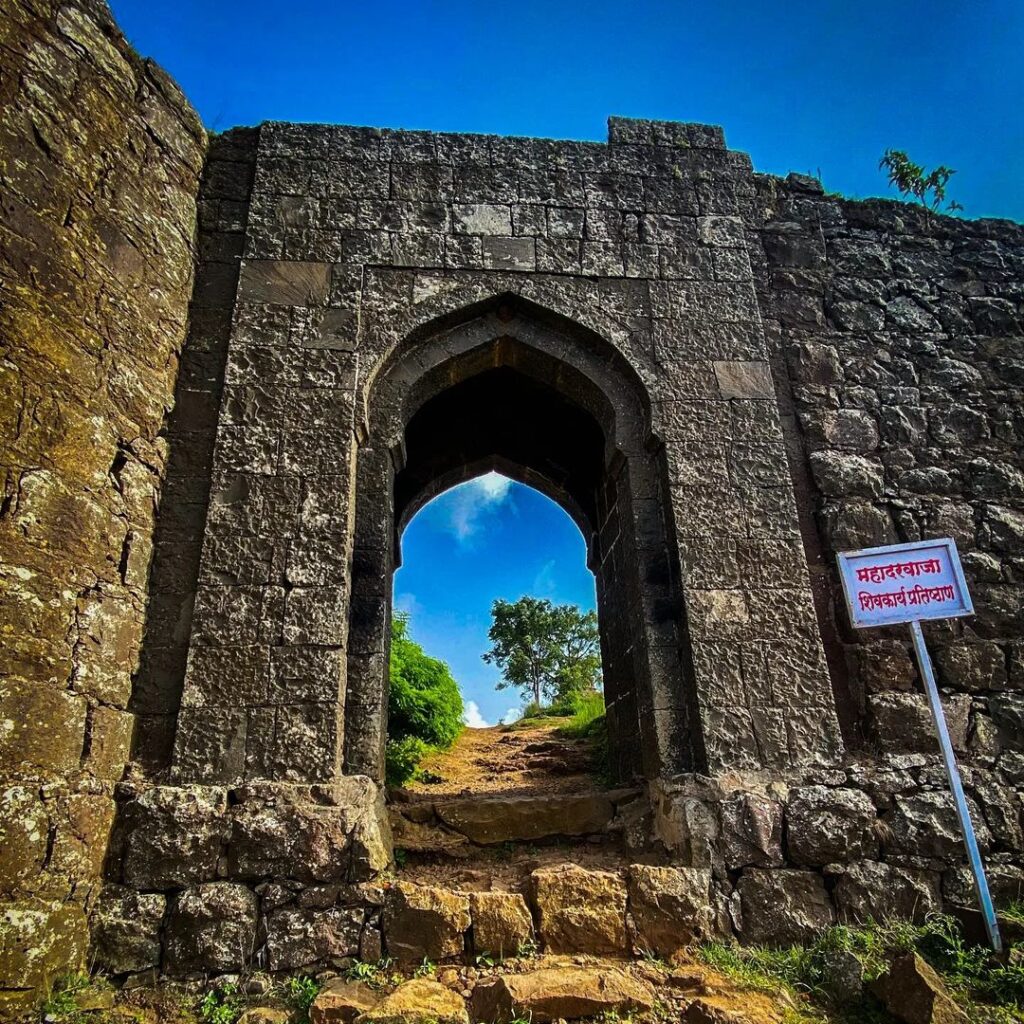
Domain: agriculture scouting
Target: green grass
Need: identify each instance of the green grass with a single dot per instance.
(588, 713)
(992, 991)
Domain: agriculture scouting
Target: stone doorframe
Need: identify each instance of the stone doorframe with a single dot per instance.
(651, 701)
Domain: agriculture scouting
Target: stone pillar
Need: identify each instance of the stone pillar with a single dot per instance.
(265, 681)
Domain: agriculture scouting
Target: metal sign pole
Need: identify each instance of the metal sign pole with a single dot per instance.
(953, 773)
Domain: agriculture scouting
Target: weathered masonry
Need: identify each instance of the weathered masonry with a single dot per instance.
(232, 370)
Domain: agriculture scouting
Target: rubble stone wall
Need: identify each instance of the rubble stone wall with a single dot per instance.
(898, 340)
(100, 157)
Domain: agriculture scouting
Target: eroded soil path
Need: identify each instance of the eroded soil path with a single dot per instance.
(508, 761)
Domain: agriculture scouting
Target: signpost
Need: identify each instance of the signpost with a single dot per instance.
(907, 583)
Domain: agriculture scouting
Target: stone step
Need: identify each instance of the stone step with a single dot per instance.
(561, 909)
(455, 826)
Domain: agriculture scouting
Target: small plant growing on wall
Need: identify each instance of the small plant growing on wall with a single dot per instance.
(913, 181)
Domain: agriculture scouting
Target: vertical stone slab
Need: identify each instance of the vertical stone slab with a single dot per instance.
(265, 683)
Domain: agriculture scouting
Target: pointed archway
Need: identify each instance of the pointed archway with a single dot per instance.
(551, 405)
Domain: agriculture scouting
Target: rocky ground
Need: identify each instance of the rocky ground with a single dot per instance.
(532, 989)
(529, 757)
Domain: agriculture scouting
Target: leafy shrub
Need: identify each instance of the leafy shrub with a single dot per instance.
(915, 180)
(402, 758)
(221, 1005)
(424, 707)
(425, 699)
(300, 992)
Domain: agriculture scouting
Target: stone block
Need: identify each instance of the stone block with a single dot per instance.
(24, 837)
(285, 282)
(211, 927)
(279, 831)
(420, 1001)
(501, 922)
(579, 911)
(751, 832)
(341, 1001)
(301, 938)
(825, 825)
(560, 993)
(424, 922)
(670, 907)
(174, 836)
(868, 890)
(126, 929)
(38, 941)
(43, 727)
(481, 219)
(782, 908)
(925, 826)
(500, 819)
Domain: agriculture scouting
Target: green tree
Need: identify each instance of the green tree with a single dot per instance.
(544, 649)
(915, 180)
(424, 704)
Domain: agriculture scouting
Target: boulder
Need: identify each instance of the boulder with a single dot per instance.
(826, 825)
(298, 937)
(419, 1001)
(579, 911)
(751, 833)
(501, 922)
(504, 819)
(559, 993)
(913, 993)
(671, 907)
(126, 929)
(342, 1001)
(782, 908)
(869, 890)
(422, 921)
(211, 927)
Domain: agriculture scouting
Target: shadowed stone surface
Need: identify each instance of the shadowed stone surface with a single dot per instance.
(100, 158)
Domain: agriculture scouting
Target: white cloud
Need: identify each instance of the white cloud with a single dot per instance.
(472, 717)
(469, 502)
(512, 715)
(544, 582)
(408, 604)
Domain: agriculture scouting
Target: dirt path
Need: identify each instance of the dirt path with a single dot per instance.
(516, 759)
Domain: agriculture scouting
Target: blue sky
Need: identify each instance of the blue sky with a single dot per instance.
(484, 539)
(807, 86)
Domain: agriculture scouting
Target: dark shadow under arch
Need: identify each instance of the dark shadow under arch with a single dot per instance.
(506, 391)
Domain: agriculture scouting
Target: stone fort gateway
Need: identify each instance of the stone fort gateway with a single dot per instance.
(234, 366)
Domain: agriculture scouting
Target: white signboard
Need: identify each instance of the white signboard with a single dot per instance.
(904, 582)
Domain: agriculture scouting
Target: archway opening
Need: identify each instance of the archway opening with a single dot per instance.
(493, 550)
(560, 416)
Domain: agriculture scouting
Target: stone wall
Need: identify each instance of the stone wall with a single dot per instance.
(768, 375)
(899, 347)
(100, 156)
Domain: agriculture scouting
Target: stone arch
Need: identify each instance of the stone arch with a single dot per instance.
(553, 404)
